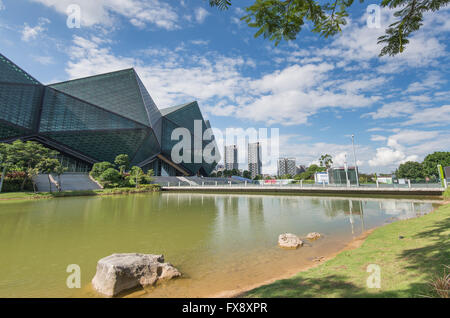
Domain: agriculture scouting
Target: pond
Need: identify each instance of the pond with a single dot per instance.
(220, 242)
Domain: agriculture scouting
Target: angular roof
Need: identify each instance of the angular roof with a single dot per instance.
(169, 110)
(120, 92)
(11, 73)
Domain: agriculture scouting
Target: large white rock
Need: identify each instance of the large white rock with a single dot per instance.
(119, 272)
(313, 236)
(289, 240)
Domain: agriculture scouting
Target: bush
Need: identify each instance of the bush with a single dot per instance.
(111, 177)
(13, 182)
(99, 168)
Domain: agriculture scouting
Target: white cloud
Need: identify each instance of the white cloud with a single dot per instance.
(200, 42)
(408, 145)
(2, 6)
(393, 109)
(31, 33)
(44, 60)
(140, 13)
(390, 157)
(430, 116)
(296, 92)
(433, 80)
(201, 14)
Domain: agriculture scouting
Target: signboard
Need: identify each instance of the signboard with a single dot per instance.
(321, 177)
(447, 172)
(387, 180)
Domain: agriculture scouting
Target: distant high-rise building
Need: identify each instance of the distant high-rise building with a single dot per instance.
(231, 157)
(254, 159)
(287, 166)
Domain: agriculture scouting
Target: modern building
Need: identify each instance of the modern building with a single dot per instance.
(96, 118)
(254, 159)
(287, 166)
(231, 157)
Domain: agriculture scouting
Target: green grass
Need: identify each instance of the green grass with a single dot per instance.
(407, 265)
(20, 196)
(446, 193)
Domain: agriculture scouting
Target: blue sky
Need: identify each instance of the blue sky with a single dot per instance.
(316, 91)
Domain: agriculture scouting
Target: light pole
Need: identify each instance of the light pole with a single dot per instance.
(356, 165)
(346, 171)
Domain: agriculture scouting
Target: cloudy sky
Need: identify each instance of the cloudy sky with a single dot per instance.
(317, 92)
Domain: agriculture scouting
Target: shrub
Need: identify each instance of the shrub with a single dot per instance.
(111, 177)
(13, 182)
(100, 167)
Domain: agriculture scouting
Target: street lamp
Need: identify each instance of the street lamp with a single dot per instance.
(354, 155)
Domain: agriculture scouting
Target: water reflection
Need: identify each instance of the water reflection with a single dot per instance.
(225, 239)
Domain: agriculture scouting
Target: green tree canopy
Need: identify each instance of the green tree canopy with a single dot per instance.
(49, 166)
(246, 174)
(137, 176)
(110, 176)
(100, 167)
(26, 156)
(431, 162)
(326, 161)
(122, 162)
(410, 170)
(284, 19)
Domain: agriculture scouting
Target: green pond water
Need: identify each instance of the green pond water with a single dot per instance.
(220, 243)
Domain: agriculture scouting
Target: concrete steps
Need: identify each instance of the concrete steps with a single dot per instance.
(69, 182)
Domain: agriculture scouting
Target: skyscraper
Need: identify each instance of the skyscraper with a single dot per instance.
(231, 157)
(287, 166)
(254, 159)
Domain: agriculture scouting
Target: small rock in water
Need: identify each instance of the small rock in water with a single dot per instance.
(318, 259)
(119, 272)
(289, 240)
(313, 236)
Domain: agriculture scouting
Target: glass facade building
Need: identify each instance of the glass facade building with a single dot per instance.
(94, 119)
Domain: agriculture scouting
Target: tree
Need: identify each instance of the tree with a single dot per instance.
(110, 176)
(59, 171)
(3, 163)
(246, 174)
(431, 162)
(137, 175)
(49, 166)
(258, 177)
(149, 176)
(309, 173)
(280, 20)
(122, 162)
(326, 161)
(100, 167)
(25, 156)
(410, 170)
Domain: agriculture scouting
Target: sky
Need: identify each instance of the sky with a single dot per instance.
(316, 91)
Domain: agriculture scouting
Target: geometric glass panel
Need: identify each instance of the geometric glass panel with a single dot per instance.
(117, 92)
(62, 112)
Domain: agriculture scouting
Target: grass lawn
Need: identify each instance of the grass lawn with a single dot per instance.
(407, 265)
(19, 196)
